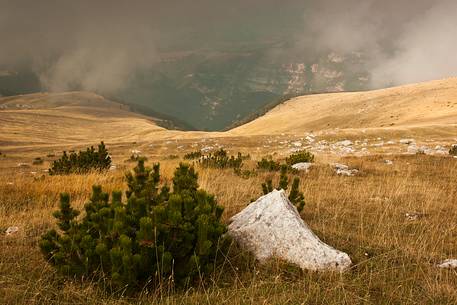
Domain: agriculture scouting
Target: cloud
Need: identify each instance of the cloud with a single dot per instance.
(100, 45)
(404, 41)
(89, 45)
(425, 50)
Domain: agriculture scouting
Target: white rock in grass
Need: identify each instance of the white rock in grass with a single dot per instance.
(448, 264)
(346, 172)
(11, 230)
(340, 166)
(440, 150)
(310, 139)
(272, 227)
(206, 149)
(413, 149)
(407, 141)
(343, 170)
(302, 166)
(344, 143)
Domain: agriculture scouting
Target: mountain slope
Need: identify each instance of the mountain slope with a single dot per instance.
(79, 118)
(418, 105)
(74, 117)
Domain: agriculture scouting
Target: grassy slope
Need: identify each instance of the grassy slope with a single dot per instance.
(419, 105)
(364, 215)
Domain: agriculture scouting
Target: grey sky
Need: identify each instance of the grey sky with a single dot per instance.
(99, 44)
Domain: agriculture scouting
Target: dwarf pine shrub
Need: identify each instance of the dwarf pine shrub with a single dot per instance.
(82, 162)
(221, 159)
(268, 165)
(299, 157)
(156, 234)
(37, 161)
(295, 196)
(171, 157)
(194, 155)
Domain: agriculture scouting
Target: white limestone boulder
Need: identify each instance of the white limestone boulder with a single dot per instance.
(347, 172)
(448, 264)
(11, 230)
(340, 166)
(272, 227)
(407, 141)
(343, 170)
(302, 166)
(344, 143)
(412, 149)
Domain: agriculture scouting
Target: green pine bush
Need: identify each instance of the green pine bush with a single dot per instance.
(299, 157)
(156, 234)
(82, 162)
(37, 161)
(295, 196)
(194, 155)
(221, 159)
(268, 165)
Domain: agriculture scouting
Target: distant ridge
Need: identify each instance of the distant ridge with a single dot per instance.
(423, 104)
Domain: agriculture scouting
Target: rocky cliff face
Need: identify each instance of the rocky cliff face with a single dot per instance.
(212, 90)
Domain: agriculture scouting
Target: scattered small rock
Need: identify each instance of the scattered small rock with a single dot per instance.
(407, 141)
(206, 149)
(388, 162)
(412, 216)
(310, 138)
(448, 264)
(340, 166)
(11, 230)
(343, 170)
(344, 143)
(347, 172)
(303, 166)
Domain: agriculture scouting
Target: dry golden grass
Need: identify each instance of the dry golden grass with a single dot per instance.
(75, 118)
(60, 120)
(431, 105)
(394, 258)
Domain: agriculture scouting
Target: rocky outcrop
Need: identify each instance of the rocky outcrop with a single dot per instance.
(272, 227)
